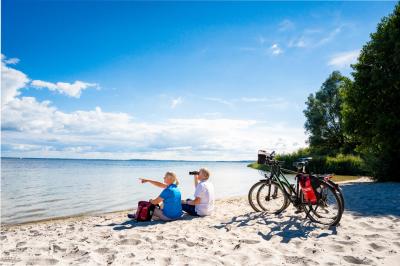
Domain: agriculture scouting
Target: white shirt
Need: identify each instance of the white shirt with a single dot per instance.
(205, 191)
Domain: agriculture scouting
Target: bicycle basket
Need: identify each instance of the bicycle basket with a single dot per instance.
(262, 157)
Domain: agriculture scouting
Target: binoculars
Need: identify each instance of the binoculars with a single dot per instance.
(194, 173)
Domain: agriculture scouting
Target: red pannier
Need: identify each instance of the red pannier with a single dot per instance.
(308, 190)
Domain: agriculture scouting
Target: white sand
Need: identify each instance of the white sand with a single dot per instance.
(369, 234)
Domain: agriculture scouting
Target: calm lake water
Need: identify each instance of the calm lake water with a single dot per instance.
(35, 189)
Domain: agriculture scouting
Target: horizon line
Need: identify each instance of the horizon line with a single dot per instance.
(101, 159)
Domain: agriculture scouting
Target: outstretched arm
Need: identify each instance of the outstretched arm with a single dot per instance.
(155, 183)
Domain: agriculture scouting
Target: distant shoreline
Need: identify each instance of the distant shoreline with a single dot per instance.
(127, 160)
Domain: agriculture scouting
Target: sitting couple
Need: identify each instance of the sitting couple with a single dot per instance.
(173, 205)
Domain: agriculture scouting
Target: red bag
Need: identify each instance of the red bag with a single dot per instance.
(144, 211)
(308, 190)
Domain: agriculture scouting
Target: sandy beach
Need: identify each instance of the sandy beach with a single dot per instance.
(368, 234)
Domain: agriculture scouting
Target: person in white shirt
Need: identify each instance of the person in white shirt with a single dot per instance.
(203, 203)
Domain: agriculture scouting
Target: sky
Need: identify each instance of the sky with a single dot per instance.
(169, 80)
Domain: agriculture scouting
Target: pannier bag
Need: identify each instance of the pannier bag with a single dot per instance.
(307, 188)
(262, 157)
(144, 211)
(317, 186)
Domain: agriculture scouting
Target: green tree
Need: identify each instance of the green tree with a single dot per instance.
(324, 121)
(371, 107)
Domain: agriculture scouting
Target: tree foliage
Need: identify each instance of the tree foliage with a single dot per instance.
(371, 107)
(324, 120)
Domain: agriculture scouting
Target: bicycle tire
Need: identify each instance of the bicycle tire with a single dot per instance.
(277, 188)
(309, 209)
(250, 196)
(338, 191)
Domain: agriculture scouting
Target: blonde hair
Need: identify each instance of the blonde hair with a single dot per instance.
(174, 178)
(205, 172)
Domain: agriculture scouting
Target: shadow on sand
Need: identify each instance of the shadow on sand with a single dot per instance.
(362, 199)
(372, 199)
(129, 224)
(288, 227)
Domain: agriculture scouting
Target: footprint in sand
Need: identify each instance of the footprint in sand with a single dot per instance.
(354, 260)
(133, 242)
(186, 242)
(57, 248)
(265, 251)
(77, 253)
(19, 244)
(12, 260)
(336, 248)
(346, 243)
(110, 259)
(373, 236)
(377, 247)
(102, 250)
(38, 261)
(168, 261)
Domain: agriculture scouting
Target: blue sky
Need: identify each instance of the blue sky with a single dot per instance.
(203, 81)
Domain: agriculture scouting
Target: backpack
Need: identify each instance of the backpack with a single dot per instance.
(144, 211)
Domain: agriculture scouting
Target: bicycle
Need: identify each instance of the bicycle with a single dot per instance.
(274, 193)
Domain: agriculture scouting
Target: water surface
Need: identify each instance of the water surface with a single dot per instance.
(35, 189)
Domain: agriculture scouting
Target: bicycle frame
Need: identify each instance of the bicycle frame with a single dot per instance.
(278, 176)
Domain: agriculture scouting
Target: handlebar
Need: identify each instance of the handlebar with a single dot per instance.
(265, 158)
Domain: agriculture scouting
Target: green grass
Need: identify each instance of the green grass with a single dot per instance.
(257, 166)
(336, 178)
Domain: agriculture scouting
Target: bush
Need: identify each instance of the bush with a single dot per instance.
(339, 164)
(345, 165)
(290, 158)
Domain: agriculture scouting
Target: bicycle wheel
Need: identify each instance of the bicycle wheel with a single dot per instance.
(338, 191)
(328, 209)
(252, 196)
(271, 198)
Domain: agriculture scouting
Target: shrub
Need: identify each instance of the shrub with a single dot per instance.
(340, 164)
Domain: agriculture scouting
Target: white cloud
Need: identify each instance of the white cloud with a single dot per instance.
(275, 49)
(286, 25)
(12, 81)
(314, 38)
(32, 128)
(99, 134)
(344, 59)
(176, 102)
(9, 61)
(70, 89)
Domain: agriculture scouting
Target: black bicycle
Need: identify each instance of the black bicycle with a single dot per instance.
(317, 196)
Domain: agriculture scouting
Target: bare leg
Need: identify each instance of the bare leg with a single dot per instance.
(159, 214)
